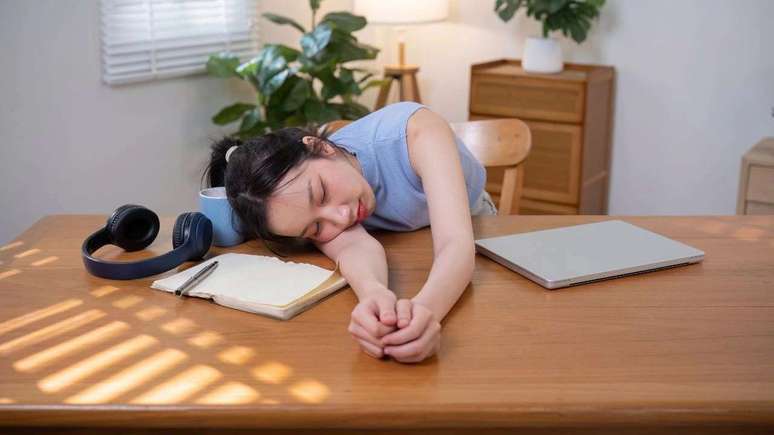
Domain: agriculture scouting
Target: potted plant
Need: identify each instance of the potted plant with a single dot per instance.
(572, 17)
(310, 86)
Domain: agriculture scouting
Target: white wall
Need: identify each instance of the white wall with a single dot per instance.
(695, 90)
(71, 144)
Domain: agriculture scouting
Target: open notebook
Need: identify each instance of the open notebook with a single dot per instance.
(259, 284)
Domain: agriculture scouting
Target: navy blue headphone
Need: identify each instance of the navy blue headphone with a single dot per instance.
(134, 227)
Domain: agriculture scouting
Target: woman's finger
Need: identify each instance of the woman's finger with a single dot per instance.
(386, 310)
(358, 332)
(367, 318)
(414, 330)
(370, 349)
(418, 349)
(427, 353)
(403, 308)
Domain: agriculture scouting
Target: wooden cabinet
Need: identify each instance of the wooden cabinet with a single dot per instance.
(570, 117)
(756, 182)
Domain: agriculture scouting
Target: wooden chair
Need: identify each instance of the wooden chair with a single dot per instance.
(332, 126)
(499, 144)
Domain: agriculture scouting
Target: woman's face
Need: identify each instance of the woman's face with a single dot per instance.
(320, 198)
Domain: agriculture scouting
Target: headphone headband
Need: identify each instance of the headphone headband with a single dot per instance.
(134, 227)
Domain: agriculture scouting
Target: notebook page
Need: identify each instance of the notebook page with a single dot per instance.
(254, 279)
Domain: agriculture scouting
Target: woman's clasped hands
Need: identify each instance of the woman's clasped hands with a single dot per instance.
(403, 329)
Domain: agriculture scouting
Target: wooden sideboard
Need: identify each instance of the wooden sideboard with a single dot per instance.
(570, 115)
(756, 182)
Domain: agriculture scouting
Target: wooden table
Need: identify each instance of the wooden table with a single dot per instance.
(689, 349)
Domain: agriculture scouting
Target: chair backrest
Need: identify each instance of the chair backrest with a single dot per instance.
(496, 143)
(500, 144)
(332, 126)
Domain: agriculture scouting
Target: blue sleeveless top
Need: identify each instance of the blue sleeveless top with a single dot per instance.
(378, 141)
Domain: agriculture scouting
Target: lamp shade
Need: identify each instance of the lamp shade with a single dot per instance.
(402, 11)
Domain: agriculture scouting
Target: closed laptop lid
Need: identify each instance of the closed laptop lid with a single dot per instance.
(564, 256)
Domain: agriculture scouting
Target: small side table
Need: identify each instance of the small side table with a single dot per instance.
(756, 182)
(406, 76)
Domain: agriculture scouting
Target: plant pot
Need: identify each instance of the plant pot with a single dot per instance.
(542, 55)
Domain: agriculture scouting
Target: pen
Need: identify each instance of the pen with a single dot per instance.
(198, 277)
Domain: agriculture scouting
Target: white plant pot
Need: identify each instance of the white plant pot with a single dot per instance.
(542, 55)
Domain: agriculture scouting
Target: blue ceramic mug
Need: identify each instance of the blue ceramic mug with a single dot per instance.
(213, 203)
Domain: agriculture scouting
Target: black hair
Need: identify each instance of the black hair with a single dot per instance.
(253, 173)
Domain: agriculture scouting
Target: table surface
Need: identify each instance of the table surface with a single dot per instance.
(690, 345)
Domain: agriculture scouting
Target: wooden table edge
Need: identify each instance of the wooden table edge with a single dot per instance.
(464, 415)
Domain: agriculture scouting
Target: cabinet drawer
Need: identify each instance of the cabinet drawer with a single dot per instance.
(759, 208)
(760, 186)
(552, 169)
(527, 98)
(529, 206)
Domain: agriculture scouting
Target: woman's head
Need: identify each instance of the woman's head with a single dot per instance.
(291, 185)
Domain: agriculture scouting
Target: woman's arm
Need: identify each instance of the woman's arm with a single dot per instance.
(434, 156)
(362, 261)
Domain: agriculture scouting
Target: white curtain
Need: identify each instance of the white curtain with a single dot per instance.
(147, 39)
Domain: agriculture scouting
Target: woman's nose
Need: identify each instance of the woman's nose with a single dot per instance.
(340, 215)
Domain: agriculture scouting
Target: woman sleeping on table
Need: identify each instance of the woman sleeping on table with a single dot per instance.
(400, 168)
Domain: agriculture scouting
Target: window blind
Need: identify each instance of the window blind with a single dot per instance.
(147, 39)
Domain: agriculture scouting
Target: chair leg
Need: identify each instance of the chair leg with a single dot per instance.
(384, 93)
(409, 89)
(516, 204)
(507, 192)
(415, 88)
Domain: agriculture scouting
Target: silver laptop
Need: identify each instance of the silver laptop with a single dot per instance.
(562, 257)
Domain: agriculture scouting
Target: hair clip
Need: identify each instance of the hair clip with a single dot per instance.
(230, 150)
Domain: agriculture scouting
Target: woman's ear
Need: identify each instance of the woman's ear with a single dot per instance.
(326, 148)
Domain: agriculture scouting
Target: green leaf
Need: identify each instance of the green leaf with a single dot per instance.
(294, 120)
(256, 130)
(270, 60)
(298, 94)
(343, 85)
(351, 110)
(554, 6)
(314, 67)
(223, 65)
(272, 51)
(231, 113)
(344, 21)
(344, 48)
(506, 9)
(364, 78)
(319, 112)
(272, 84)
(250, 120)
(273, 68)
(376, 83)
(316, 40)
(572, 17)
(279, 19)
(249, 71)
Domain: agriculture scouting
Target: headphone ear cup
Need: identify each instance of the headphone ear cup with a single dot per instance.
(133, 227)
(196, 227)
(178, 233)
(202, 230)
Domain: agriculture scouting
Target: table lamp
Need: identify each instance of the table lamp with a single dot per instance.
(401, 12)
